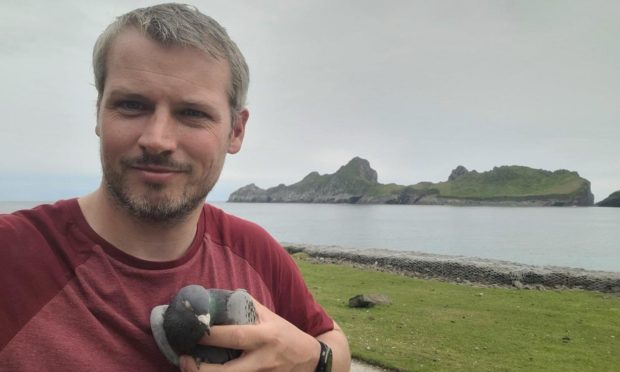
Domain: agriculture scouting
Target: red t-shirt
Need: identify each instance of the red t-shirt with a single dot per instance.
(72, 301)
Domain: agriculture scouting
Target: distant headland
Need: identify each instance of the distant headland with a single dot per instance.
(356, 183)
(613, 200)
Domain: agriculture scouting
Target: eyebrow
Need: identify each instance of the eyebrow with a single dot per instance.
(126, 93)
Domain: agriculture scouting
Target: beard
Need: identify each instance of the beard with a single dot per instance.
(156, 204)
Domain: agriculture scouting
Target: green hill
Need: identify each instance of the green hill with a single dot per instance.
(356, 182)
(513, 182)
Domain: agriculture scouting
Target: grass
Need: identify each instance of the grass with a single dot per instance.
(442, 326)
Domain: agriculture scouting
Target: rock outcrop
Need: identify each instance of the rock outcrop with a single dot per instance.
(357, 183)
(348, 185)
(457, 173)
(613, 200)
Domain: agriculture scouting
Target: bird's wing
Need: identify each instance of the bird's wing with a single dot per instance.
(240, 308)
(157, 327)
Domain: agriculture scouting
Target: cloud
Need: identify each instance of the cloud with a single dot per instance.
(416, 87)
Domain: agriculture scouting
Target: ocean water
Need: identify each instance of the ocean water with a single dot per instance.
(574, 237)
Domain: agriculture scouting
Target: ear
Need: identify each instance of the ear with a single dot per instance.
(98, 126)
(238, 131)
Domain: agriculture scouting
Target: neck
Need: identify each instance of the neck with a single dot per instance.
(145, 240)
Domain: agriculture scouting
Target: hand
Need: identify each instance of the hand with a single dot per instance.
(273, 344)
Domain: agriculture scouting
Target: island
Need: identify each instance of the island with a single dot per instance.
(613, 200)
(356, 183)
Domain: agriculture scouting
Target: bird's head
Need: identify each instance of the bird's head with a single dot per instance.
(178, 327)
(188, 318)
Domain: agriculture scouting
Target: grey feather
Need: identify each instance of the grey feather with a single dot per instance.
(177, 328)
(157, 326)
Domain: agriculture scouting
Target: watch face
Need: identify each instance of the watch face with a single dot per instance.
(328, 362)
(325, 362)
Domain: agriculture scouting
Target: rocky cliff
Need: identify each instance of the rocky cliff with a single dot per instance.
(613, 200)
(356, 182)
(350, 183)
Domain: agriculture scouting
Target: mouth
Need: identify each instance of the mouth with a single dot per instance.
(156, 174)
(156, 169)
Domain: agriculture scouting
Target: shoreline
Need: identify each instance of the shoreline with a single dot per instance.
(462, 269)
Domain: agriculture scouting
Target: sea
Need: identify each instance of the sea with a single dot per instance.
(577, 237)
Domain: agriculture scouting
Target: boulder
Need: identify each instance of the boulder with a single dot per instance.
(369, 300)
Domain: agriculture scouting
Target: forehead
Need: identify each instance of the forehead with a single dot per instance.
(137, 59)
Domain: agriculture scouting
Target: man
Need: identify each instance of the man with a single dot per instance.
(81, 276)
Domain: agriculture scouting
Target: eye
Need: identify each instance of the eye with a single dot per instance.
(130, 106)
(195, 114)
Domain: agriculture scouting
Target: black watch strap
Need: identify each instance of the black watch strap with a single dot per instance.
(325, 360)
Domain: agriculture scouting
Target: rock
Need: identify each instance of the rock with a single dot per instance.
(360, 301)
(517, 284)
(363, 300)
(348, 185)
(457, 173)
(250, 193)
(613, 200)
(379, 299)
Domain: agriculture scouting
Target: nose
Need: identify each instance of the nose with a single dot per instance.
(159, 133)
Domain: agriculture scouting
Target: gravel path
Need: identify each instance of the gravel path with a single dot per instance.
(358, 366)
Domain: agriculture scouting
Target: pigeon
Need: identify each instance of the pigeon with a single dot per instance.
(178, 327)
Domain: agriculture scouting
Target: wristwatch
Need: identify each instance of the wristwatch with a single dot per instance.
(325, 360)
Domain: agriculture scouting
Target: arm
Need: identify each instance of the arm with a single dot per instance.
(272, 345)
(337, 341)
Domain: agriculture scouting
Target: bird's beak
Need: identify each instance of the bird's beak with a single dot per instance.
(206, 320)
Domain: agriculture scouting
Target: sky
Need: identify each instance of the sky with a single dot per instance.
(415, 87)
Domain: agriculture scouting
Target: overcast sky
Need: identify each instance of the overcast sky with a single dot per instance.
(415, 87)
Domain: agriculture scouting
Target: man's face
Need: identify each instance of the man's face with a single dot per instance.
(164, 124)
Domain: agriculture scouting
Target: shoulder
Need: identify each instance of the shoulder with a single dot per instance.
(42, 237)
(235, 232)
(37, 261)
(275, 266)
(248, 241)
(38, 220)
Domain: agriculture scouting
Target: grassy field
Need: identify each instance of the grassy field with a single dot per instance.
(433, 325)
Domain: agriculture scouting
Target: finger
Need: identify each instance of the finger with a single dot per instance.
(187, 364)
(246, 363)
(240, 337)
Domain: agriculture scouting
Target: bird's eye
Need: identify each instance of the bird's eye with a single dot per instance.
(188, 305)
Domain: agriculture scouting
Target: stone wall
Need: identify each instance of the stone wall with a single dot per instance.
(466, 269)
